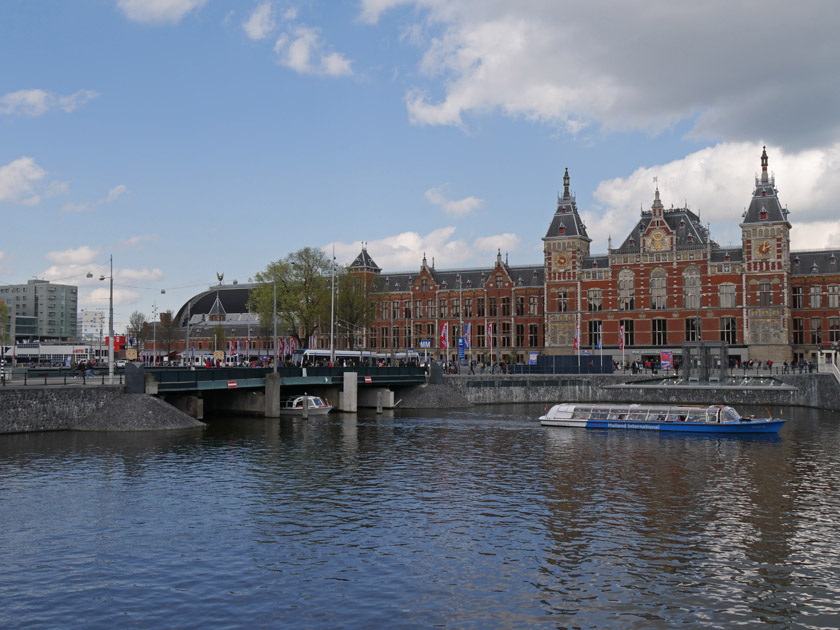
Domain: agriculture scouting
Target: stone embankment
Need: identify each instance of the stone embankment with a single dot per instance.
(821, 391)
(103, 408)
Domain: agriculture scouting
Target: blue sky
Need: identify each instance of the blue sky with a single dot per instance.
(189, 137)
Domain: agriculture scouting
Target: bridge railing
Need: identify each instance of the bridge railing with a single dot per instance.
(185, 375)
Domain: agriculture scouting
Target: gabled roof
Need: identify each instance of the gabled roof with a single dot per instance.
(684, 223)
(807, 263)
(364, 262)
(765, 206)
(566, 221)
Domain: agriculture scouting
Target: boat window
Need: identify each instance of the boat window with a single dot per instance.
(697, 417)
(637, 415)
(730, 415)
(316, 402)
(582, 412)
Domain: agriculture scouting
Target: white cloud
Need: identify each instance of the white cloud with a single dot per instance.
(437, 196)
(39, 102)
(75, 207)
(301, 49)
(18, 180)
(136, 242)
(139, 275)
(630, 67)
(717, 182)
(261, 22)
(158, 11)
(115, 193)
(406, 250)
(500, 242)
(83, 255)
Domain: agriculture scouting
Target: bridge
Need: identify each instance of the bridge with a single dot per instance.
(259, 391)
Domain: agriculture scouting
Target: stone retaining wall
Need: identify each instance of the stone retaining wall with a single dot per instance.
(821, 391)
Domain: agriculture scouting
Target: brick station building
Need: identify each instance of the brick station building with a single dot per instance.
(666, 283)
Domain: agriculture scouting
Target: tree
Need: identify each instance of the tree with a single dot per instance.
(5, 324)
(168, 331)
(302, 280)
(355, 306)
(219, 338)
(138, 328)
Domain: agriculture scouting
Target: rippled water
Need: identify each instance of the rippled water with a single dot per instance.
(480, 519)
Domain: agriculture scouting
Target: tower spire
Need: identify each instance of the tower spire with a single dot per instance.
(764, 165)
(566, 184)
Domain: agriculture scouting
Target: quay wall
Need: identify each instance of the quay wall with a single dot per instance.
(92, 408)
(820, 391)
(25, 409)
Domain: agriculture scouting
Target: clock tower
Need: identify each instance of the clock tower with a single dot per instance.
(565, 245)
(765, 238)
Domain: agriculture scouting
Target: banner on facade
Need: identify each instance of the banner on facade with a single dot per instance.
(621, 337)
(666, 360)
(444, 335)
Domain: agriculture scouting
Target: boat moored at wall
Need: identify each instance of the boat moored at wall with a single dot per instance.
(687, 418)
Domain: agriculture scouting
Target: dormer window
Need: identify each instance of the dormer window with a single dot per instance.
(690, 238)
(594, 264)
(682, 223)
(387, 281)
(443, 284)
(632, 242)
(469, 283)
(762, 215)
(397, 285)
(796, 260)
(833, 259)
(561, 229)
(814, 267)
(726, 257)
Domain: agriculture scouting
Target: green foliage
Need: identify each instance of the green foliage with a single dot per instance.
(302, 281)
(5, 324)
(219, 338)
(355, 306)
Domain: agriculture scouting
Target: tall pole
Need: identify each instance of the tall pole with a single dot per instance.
(274, 310)
(111, 325)
(332, 307)
(461, 314)
(154, 334)
(187, 350)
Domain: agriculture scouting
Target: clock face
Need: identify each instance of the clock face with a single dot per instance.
(561, 260)
(763, 249)
(657, 241)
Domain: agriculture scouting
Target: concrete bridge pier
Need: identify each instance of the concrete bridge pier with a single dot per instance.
(190, 404)
(348, 398)
(369, 397)
(272, 395)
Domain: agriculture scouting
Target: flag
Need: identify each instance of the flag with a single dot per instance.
(666, 360)
(577, 337)
(600, 336)
(489, 335)
(467, 335)
(292, 345)
(621, 337)
(444, 335)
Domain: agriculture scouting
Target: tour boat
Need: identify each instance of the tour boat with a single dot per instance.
(294, 406)
(703, 419)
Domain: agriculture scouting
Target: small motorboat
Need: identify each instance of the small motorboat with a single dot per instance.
(314, 406)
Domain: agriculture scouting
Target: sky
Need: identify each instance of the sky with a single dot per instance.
(189, 138)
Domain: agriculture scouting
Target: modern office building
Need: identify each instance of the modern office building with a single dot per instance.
(42, 310)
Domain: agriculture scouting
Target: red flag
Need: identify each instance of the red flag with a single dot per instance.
(444, 335)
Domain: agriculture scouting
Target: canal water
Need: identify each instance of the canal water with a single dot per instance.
(473, 519)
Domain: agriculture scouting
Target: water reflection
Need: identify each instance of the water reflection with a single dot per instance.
(471, 519)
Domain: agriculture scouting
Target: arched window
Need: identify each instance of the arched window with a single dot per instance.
(658, 289)
(626, 290)
(691, 287)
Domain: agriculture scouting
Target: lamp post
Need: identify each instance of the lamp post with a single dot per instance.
(274, 311)
(332, 308)
(154, 334)
(110, 318)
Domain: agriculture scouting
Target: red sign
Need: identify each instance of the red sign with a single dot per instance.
(231, 384)
(119, 342)
(368, 379)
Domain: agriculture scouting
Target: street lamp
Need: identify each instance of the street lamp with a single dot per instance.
(154, 334)
(332, 307)
(110, 277)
